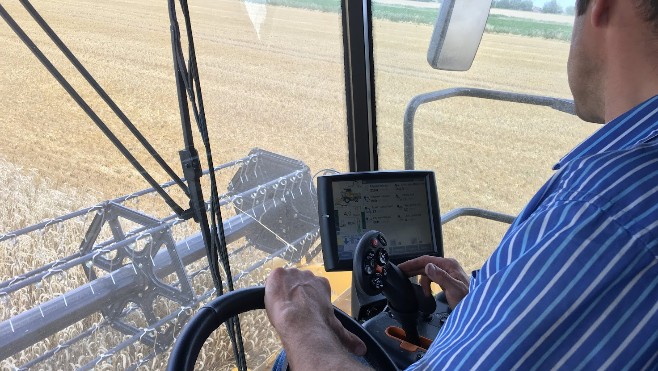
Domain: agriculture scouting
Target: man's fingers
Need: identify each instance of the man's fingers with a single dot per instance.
(416, 266)
(426, 283)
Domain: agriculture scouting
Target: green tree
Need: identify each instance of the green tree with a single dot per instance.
(513, 4)
(525, 5)
(552, 7)
(503, 4)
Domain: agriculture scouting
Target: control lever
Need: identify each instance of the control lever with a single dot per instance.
(375, 274)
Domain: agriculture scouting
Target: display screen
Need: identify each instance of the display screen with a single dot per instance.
(401, 205)
(397, 207)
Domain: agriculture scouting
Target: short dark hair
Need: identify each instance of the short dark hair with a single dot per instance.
(649, 9)
(581, 7)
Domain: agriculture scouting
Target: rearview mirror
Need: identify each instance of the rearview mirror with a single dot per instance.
(457, 34)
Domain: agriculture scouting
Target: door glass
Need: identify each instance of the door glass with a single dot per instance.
(486, 154)
(95, 272)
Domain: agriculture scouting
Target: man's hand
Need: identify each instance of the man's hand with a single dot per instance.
(447, 273)
(298, 305)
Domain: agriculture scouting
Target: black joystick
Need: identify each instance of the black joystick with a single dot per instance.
(374, 274)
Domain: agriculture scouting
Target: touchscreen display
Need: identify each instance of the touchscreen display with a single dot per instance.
(403, 205)
(396, 207)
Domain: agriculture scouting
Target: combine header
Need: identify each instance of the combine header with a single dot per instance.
(131, 280)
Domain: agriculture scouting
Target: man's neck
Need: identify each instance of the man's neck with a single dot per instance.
(626, 91)
(631, 75)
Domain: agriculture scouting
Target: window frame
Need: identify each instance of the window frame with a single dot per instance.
(359, 85)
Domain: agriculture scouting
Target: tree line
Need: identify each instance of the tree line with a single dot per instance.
(551, 6)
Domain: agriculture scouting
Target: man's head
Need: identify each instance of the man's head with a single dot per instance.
(614, 56)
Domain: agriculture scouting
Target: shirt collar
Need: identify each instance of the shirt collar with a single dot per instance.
(636, 126)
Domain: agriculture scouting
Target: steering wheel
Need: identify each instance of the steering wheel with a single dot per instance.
(212, 315)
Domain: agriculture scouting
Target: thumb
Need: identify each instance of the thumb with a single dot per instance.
(349, 340)
(454, 289)
(437, 275)
(441, 277)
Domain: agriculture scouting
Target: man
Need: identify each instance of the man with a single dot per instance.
(574, 282)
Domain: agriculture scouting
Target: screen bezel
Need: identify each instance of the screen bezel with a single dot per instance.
(332, 262)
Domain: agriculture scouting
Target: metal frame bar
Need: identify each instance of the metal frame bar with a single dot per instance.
(559, 104)
(478, 213)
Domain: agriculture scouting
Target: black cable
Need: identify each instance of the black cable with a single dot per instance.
(203, 129)
(189, 87)
(216, 217)
(101, 92)
(87, 109)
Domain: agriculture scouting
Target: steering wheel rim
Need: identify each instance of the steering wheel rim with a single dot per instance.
(212, 315)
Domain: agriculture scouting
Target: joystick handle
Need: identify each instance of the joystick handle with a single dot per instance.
(375, 274)
(371, 263)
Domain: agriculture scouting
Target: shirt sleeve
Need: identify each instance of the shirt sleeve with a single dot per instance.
(569, 288)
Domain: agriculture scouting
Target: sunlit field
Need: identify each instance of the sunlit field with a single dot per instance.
(279, 87)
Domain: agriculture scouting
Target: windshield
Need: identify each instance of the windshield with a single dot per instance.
(96, 271)
(486, 153)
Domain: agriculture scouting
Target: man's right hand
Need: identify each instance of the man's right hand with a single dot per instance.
(445, 272)
(298, 305)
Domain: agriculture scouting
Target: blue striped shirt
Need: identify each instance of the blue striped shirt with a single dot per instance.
(574, 282)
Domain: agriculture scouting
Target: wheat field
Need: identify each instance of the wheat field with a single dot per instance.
(276, 85)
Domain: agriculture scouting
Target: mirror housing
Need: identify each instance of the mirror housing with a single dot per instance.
(457, 34)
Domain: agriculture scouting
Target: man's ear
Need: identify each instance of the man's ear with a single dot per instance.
(600, 14)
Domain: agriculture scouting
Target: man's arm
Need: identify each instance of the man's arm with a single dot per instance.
(299, 307)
